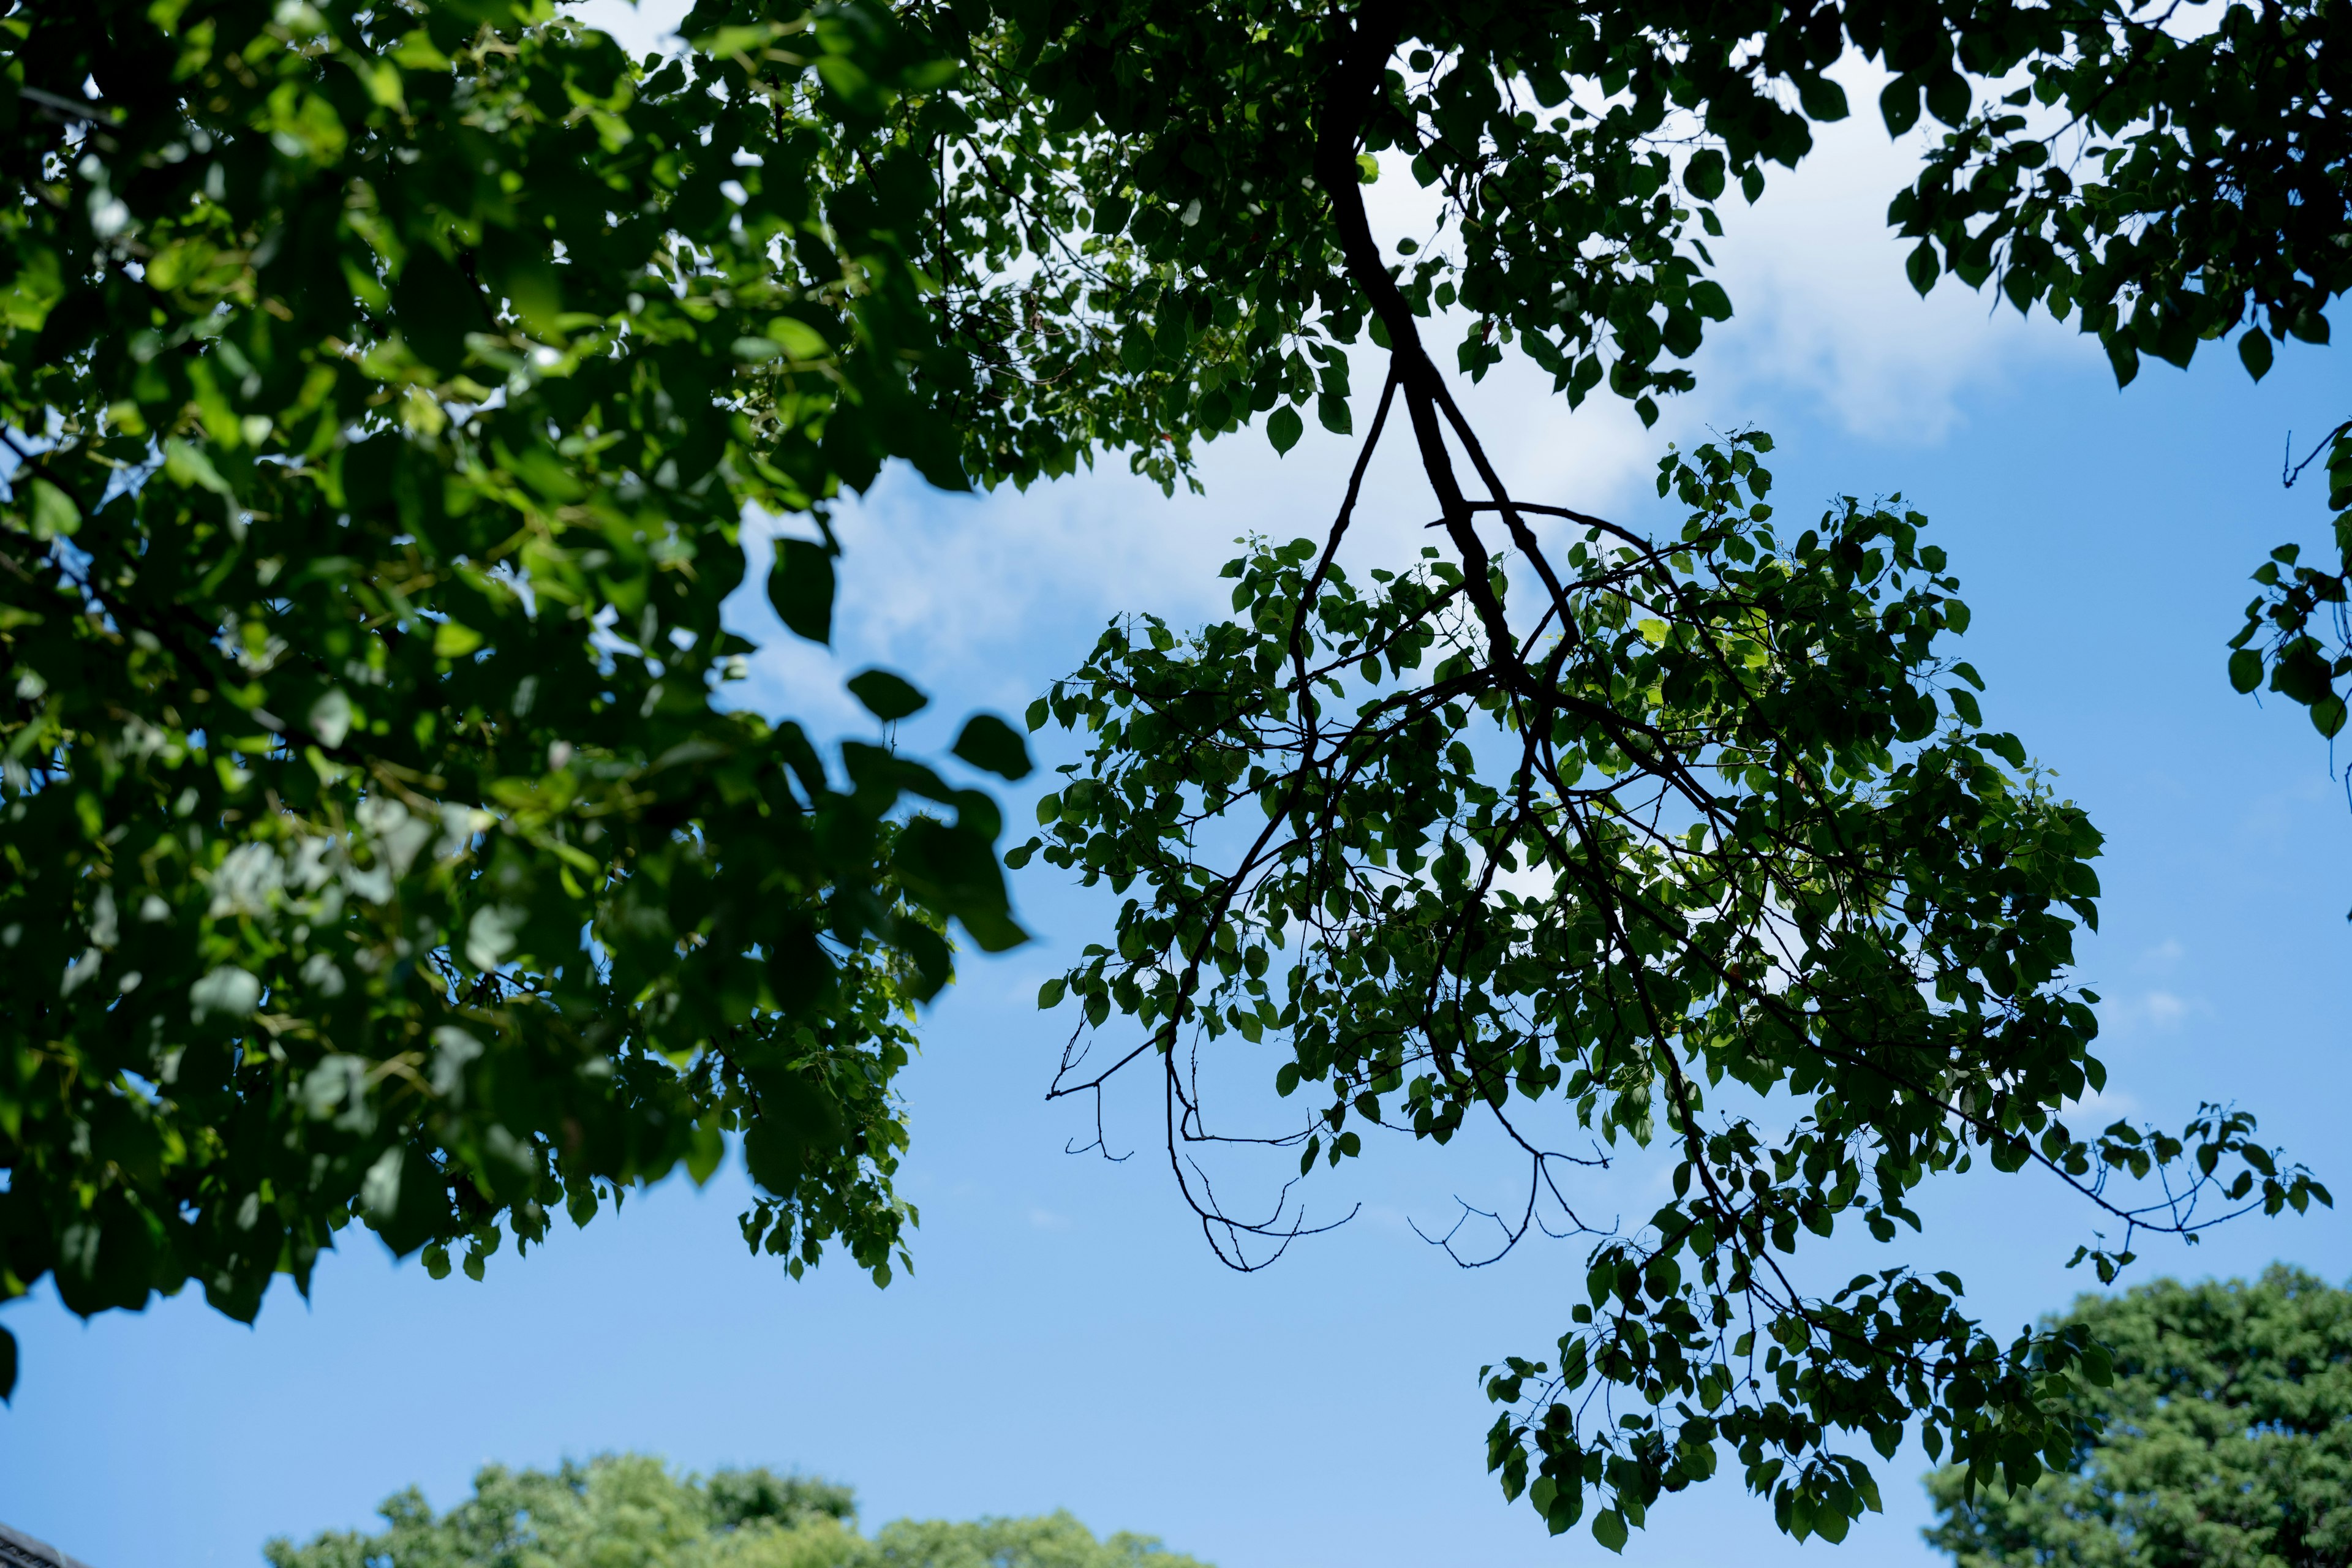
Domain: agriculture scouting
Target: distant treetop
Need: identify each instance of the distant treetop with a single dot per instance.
(631, 1510)
(2225, 1439)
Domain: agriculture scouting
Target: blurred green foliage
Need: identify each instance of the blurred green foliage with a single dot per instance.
(631, 1510)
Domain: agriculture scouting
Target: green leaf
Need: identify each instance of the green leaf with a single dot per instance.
(1703, 174)
(1898, 103)
(1285, 427)
(799, 340)
(1922, 266)
(1948, 98)
(887, 697)
(990, 743)
(2327, 715)
(2254, 352)
(1609, 1529)
(800, 586)
(442, 674)
(954, 868)
(451, 640)
(188, 464)
(2245, 669)
(26, 301)
(2124, 358)
(706, 1147)
(1822, 99)
(55, 516)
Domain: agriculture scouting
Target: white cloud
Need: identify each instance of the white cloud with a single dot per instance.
(2155, 1011)
(1826, 311)
(2109, 1101)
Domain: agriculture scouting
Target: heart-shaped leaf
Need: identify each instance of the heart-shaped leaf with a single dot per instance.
(990, 743)
(886, 696)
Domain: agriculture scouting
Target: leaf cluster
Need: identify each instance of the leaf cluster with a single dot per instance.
(386, 388)
(1716, 856)
(2168, 179)
(2298, 631)
(1143, 247)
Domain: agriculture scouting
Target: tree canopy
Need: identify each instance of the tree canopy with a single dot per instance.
(2225, 1439)
(631, 1510)
(390, 386)
(1696, 839)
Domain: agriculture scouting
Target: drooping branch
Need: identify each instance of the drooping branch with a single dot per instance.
(1723, 811)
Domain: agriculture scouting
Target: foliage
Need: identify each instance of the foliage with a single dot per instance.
(2171, 179)
(1141, 253)
(387, 387)
(1743, 831)
(615, 1510)
(1144, 243)
(2174, 185)
(2297, 629)
(1048, 1540)
(1716, 812)
(2225, 1439)
(630, 1511)
(390, 385)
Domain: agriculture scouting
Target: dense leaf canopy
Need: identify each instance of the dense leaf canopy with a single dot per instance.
(389, 387)
(630, 1511)
(2225, 1439)
(388, 390)
(1147, 245)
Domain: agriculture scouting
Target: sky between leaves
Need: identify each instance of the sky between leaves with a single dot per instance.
(1067, 1339)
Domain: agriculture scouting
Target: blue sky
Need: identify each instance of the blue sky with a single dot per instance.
(1067, 1339)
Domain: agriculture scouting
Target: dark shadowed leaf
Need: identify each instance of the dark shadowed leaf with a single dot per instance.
(886, 696)
(1283, 429)
(990, 743)
(800, 586)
